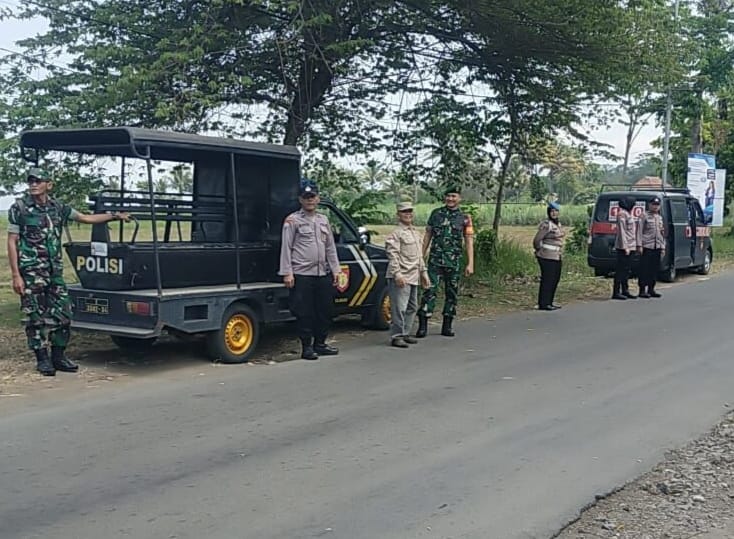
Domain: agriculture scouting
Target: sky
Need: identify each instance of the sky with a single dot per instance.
(614, 135)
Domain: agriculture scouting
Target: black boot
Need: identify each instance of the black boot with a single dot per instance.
(43, 363)
(61, 362)
(446, 330)
(323, 349)
(422, 326)
(307, 350)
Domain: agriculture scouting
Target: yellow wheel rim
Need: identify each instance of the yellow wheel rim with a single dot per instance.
(386, 308)
(238, 334)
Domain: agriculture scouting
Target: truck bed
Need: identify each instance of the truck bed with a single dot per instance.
(182, 291)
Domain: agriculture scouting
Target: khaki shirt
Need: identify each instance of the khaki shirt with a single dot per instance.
(626, 231)
(308, 246)
(651, 231)
(548, 241)
(404, 248)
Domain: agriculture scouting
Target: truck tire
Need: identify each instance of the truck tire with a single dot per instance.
(378, 316)
(237, 339)
(131, 344)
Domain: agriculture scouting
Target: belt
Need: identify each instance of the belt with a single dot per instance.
(550, 247)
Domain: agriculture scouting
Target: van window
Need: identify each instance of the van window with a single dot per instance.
(679, 211)
(601, 211)
(696, 207)
(607, 206)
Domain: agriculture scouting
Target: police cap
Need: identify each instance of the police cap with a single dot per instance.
(308, 188)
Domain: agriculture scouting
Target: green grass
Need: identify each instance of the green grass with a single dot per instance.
(510, 278)
(512, 214)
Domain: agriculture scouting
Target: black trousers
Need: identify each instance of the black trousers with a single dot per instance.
(312, 303)
(649, 266)
(550, 275)
(622, 272)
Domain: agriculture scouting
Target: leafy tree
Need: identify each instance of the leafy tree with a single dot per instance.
(273, 68)
(538, 188)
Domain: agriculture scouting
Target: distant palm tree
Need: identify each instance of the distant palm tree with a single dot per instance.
(182, 180)
(374, 174)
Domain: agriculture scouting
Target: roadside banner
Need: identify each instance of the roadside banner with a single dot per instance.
(718, 210)
(707, 184)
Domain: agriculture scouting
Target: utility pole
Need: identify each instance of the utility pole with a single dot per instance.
(668, 114)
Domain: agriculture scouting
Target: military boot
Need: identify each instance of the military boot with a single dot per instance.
(422, 326)
(307, 350)
(323, 349)
(446, 330)
(43, 363)
(61, 362)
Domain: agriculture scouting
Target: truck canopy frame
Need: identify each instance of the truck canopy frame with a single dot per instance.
(142, 143)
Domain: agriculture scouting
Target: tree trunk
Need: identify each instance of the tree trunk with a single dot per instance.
(314, 80)
(628, 144)
(501, 183)
(697, 124)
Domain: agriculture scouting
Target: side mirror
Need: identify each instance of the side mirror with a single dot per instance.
(364, 235)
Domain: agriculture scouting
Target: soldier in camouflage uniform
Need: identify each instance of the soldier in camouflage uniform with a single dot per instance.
(35, 223)
(447, 231)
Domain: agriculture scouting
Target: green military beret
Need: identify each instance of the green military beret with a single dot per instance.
(452, 190)
(39, 173)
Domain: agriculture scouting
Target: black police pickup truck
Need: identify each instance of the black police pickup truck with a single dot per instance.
(209, 260)
(689, 245)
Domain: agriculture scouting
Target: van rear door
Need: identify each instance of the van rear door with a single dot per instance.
(603, 230)
(700, 231)
(683, 241)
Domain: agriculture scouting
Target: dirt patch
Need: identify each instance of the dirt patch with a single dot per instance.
(100, 360)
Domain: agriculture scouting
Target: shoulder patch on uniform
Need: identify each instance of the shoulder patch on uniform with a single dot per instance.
(468, 225)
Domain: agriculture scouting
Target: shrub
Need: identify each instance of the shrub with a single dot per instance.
(485, 246)
(577, 241)
(498, 260)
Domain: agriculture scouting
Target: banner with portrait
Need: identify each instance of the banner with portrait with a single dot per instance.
(707, 184)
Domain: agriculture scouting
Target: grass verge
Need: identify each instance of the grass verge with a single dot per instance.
(508, 282)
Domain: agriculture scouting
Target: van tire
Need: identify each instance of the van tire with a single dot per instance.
(705, 268)
(131, 344)
(670, 274)
(378, 316)
(237, 339)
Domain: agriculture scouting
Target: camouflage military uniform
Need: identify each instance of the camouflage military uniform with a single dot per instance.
(448, 229)
(45, 301)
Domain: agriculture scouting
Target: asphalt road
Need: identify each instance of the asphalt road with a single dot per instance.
(505, 432)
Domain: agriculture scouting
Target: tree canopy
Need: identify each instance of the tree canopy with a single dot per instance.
(451, 89)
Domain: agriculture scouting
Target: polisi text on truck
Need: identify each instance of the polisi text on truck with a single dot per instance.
(99, 264)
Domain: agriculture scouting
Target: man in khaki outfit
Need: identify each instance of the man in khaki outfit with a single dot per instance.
(406, 270)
